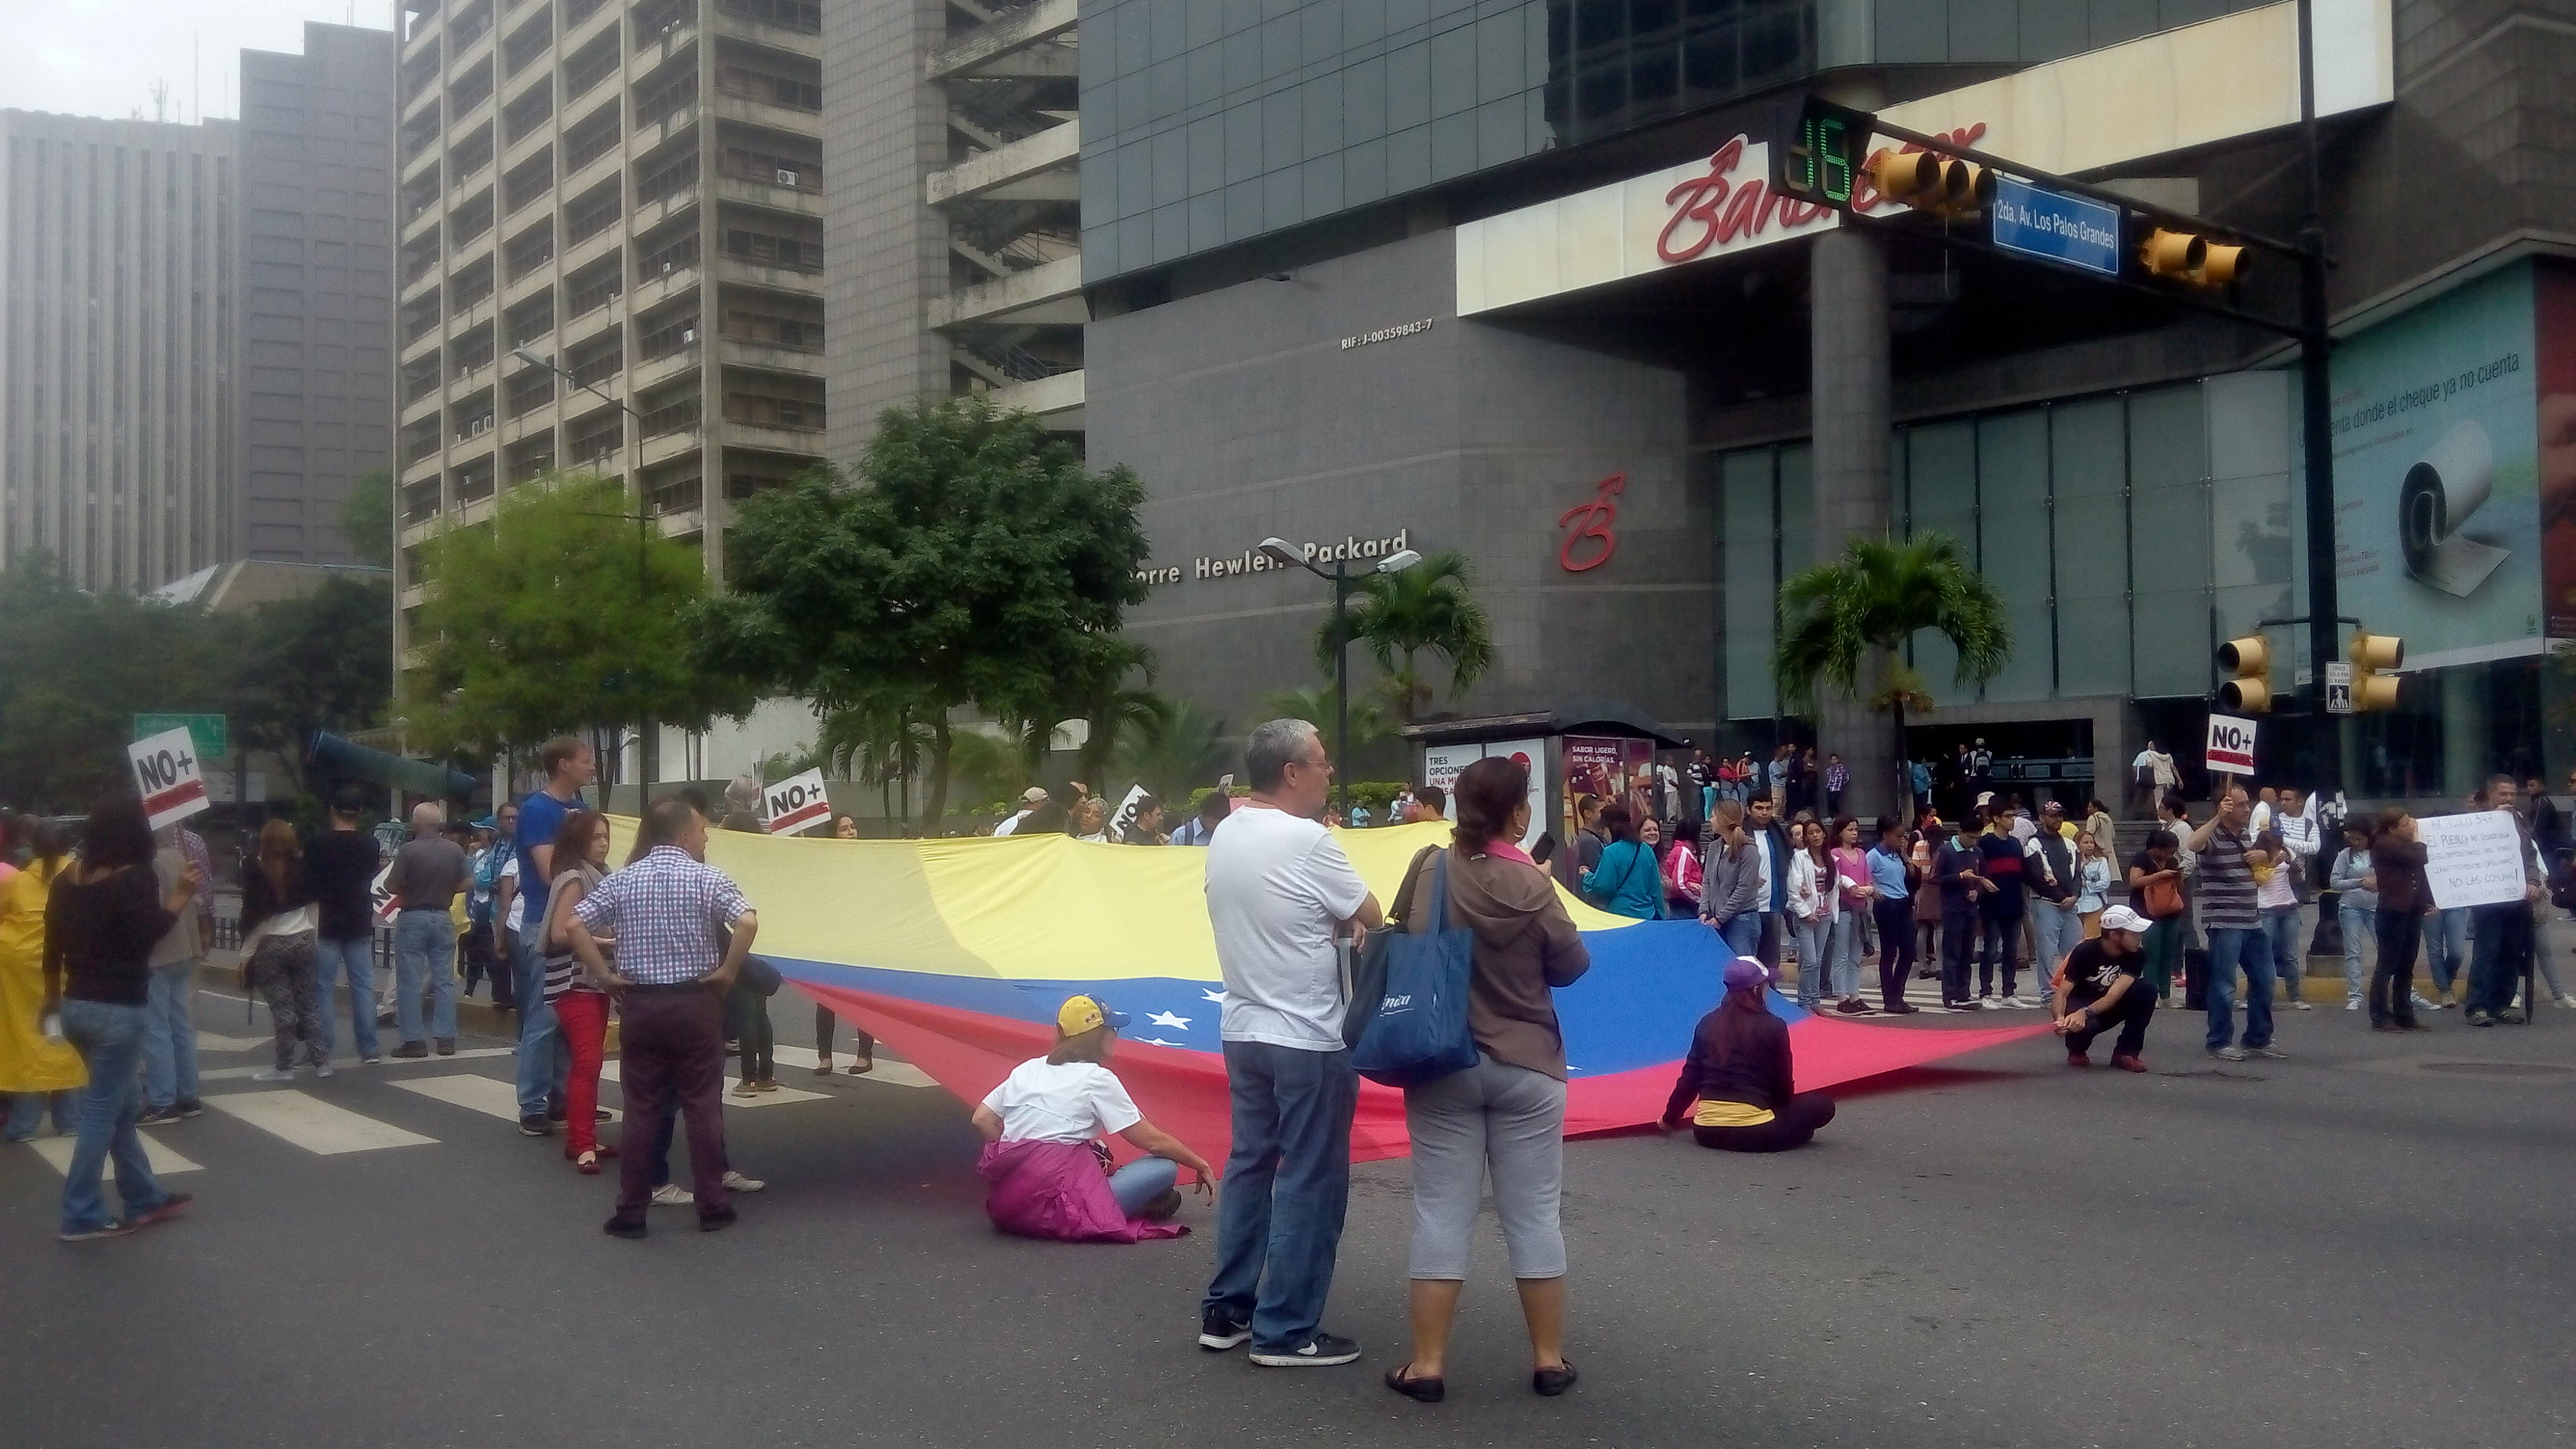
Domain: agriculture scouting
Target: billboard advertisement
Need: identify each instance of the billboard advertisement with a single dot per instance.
(2554, 326)
(1608, 768)
(1442, 763)
(2437, 474)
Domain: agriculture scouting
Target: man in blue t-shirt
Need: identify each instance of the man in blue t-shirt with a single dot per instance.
(543, 1062)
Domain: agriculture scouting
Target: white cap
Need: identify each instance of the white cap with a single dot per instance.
(2121, 918)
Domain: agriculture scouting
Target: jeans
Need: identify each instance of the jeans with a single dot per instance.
(1815, 957)
(425, 943)
(27, 1115)
(747, 1020)
(1958, 942)
(1999, 938)
(2230, 948)
(2357, 922)
(1743, 935)
(2446, 949)
(2055, 930)
(170, 1036)
(355, 958)
(1895, 949)
(1287, 1186)
(1844, 952)
(544, 1063)
(1775, 924)
(2392, 981)
(1135, 1186)
(110, 1039)
(1491, 1117)
(2281, 927)
(2503, 940)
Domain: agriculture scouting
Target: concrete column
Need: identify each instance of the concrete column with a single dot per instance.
(1850, 419)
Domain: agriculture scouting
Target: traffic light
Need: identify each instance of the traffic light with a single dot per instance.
(2250, 660)
(2374, 687)
(1930, 182)
(2192, 258)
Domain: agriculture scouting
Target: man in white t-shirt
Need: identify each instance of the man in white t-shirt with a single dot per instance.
(1030, 799)
(1279, 890)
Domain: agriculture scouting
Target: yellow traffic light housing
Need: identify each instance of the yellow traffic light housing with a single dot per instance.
(1930, 182)
(2249, 660)
(2191, 258)
(2374, 658)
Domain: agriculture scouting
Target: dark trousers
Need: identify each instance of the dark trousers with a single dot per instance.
(1895, 949)
(749, 1013)
(505, 975)
(2131, 1013)
(2502, 943)
(825, 1019)
(672, 1045)
(2392, 980)
(1958, 939)
(1767, 949)
(1792, 1123)
(1287, 1187)
(1999, 946)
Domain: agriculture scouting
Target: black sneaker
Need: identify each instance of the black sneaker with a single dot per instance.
(623, 1227)
(191, 1107)
(2511, 1016)
(158, 1117)
(1220, 1330)
(534, 1127)
(1320, 1350)
(411, 1050)
(447, 1046)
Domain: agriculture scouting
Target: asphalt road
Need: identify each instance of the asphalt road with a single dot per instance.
(2365, 1245)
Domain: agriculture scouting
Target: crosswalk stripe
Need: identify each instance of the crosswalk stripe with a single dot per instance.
(58, 1152)
(900, 1074)
(210, 1041)
(313, 1124)
(389, 1065)
(608, 1072)
(487, 1095)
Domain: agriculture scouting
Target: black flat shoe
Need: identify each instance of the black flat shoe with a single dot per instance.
(1552, 1382)
(1421, 1391)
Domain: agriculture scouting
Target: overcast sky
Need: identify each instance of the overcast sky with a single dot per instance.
(101, 57)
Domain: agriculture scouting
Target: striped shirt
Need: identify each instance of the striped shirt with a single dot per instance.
(2226, 884)
(563, 968)
(668, 913)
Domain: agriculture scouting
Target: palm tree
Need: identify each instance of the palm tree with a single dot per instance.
(1187, 752)
(878, 741)
(1121, 721)
(1314, 704)
(1429, 606)
(1842, 623)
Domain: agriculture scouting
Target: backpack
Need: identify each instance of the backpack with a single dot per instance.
(1415, 1029)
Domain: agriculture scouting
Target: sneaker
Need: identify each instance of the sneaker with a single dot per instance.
(447, 1046)
(108, 1229)
(1220, 1330)
(1964, 1005)
(2078, 1059)
(322, 1069)
(2480, 1018)
(671, 1194)
(534, 1127)
(717, 1221)
(736, 1182)
(377, 1060)
(623, 1228)
(747, 1088)
(158, 1117)
(2129, 1064)
(2301, 1006)
(411, 1051)
(1320, 1350)
(274, 1074)
(171, 1207)
(2512, 1016)
(2352, 1003)
(2564, 1001)
(2228, 1054)
(191, 1107)
(2424, 1004)
(2272, 1052)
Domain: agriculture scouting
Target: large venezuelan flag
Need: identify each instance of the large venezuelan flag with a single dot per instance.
(958, 952)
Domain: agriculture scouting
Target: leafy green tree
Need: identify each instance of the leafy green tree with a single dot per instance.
(320, 662)
(972, 563)
(367, 517)
(1428, 608)
(1187, 752)
(75, 668)
(555, 617)
(988, 769)
(1843, 621)
(1314, 704)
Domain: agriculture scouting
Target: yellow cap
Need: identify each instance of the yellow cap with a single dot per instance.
(1083, 1013)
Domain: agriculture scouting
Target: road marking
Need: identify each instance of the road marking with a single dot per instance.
(58, 1151)
(900, 1074)
(344, 1065)
(313, 1124)
(208, 1041)
(487, 1095)
(779, 1098)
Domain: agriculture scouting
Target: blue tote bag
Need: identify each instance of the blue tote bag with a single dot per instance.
(1418, 1032)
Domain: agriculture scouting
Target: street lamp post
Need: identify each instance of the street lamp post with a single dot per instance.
(1397, 562)
(643, 517)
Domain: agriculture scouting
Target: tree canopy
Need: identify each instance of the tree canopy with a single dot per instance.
(1430, 607)
(367, 517)
(557, 615)
(971, 562)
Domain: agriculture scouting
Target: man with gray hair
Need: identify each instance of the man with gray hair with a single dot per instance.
(1279, 889)
(428, 874)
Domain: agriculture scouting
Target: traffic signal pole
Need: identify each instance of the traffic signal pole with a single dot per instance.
(2317, 423)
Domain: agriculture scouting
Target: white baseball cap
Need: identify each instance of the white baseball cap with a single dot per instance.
(2121, 918)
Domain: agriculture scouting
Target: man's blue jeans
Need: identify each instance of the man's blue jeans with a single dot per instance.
(425, 944)
(2230, 948)
(1287, 1184)
(2446, 949)
(110, 1040)
(2055, 930)
(27, 1114)
(1743, 935)
(170, 1036)
(354, 958)
(544, 1062)
(2495, 972)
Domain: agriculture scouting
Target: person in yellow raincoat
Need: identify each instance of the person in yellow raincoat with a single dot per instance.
(32, 1069)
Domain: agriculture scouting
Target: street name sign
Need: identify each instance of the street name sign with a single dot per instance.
(796, 802)
(212, 732)
(165, 772)
(2231, 745)
(2056, 227)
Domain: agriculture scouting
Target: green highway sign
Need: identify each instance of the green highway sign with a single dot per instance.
(208, 732)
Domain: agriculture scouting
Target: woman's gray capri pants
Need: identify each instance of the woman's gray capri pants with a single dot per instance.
(1491, 1115)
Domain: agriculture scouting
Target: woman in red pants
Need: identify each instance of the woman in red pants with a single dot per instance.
(581, 858)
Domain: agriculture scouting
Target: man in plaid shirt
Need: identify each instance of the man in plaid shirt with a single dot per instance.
(681, 929)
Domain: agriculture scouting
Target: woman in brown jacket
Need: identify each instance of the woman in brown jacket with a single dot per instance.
(1507, 1112)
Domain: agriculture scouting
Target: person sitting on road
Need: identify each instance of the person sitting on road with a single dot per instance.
(1740, 1074)
(1050, 1173)
(2099, 989)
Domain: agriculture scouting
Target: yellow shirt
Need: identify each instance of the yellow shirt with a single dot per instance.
(28, 1062)
(1730, 1114)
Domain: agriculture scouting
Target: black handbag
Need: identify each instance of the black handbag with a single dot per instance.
(761, 977)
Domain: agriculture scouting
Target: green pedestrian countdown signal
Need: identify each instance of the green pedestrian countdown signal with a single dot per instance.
(1821, 160)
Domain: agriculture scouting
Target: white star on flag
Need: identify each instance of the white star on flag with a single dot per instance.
(1158, 1041)
(1216, 996)
(1165, 1018)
